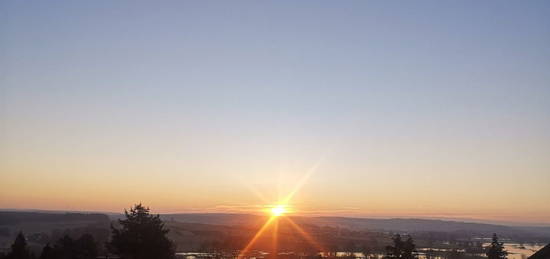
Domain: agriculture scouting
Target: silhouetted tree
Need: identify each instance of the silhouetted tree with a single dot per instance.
(48, 252)
(86, 247)
(67, 248)
(496, 250)
(396, 250)
(409, 251)
(19, 249)
(142, 236)
(366, 249)
(401, 249)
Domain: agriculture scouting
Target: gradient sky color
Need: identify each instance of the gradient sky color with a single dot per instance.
(424, 108)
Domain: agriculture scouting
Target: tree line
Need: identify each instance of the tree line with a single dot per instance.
(142, 235)
(65, 248)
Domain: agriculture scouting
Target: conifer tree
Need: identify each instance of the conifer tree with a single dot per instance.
(141, 236)
(496, 250)
(401, 249)
(19, 249)
(47, 252)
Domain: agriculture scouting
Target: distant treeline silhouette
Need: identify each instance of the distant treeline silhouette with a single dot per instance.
(141, 235)
(84, 247)
(16, 217)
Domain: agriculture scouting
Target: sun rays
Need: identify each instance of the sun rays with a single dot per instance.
(281, 211)
(256, 236)
(272, 223)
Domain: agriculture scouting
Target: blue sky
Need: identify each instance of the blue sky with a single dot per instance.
(414, 95)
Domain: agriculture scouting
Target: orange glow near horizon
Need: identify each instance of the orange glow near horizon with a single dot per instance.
(279, 211)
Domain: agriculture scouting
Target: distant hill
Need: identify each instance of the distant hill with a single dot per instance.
(53, 224)
(217, 218)
(368, 224)
(72, 219)
(18, 217)
(195, 230)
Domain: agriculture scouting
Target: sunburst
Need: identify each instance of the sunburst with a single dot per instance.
(278, 210)
(281, 210)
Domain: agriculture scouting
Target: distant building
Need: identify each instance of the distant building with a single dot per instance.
(543, 253)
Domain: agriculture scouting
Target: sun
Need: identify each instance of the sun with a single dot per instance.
(278, 210)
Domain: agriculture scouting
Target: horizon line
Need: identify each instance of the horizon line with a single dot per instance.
(387, 217)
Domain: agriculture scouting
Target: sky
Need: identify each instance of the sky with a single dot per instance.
(365, 108)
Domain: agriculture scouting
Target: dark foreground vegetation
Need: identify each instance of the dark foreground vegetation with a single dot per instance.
(141, 235)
